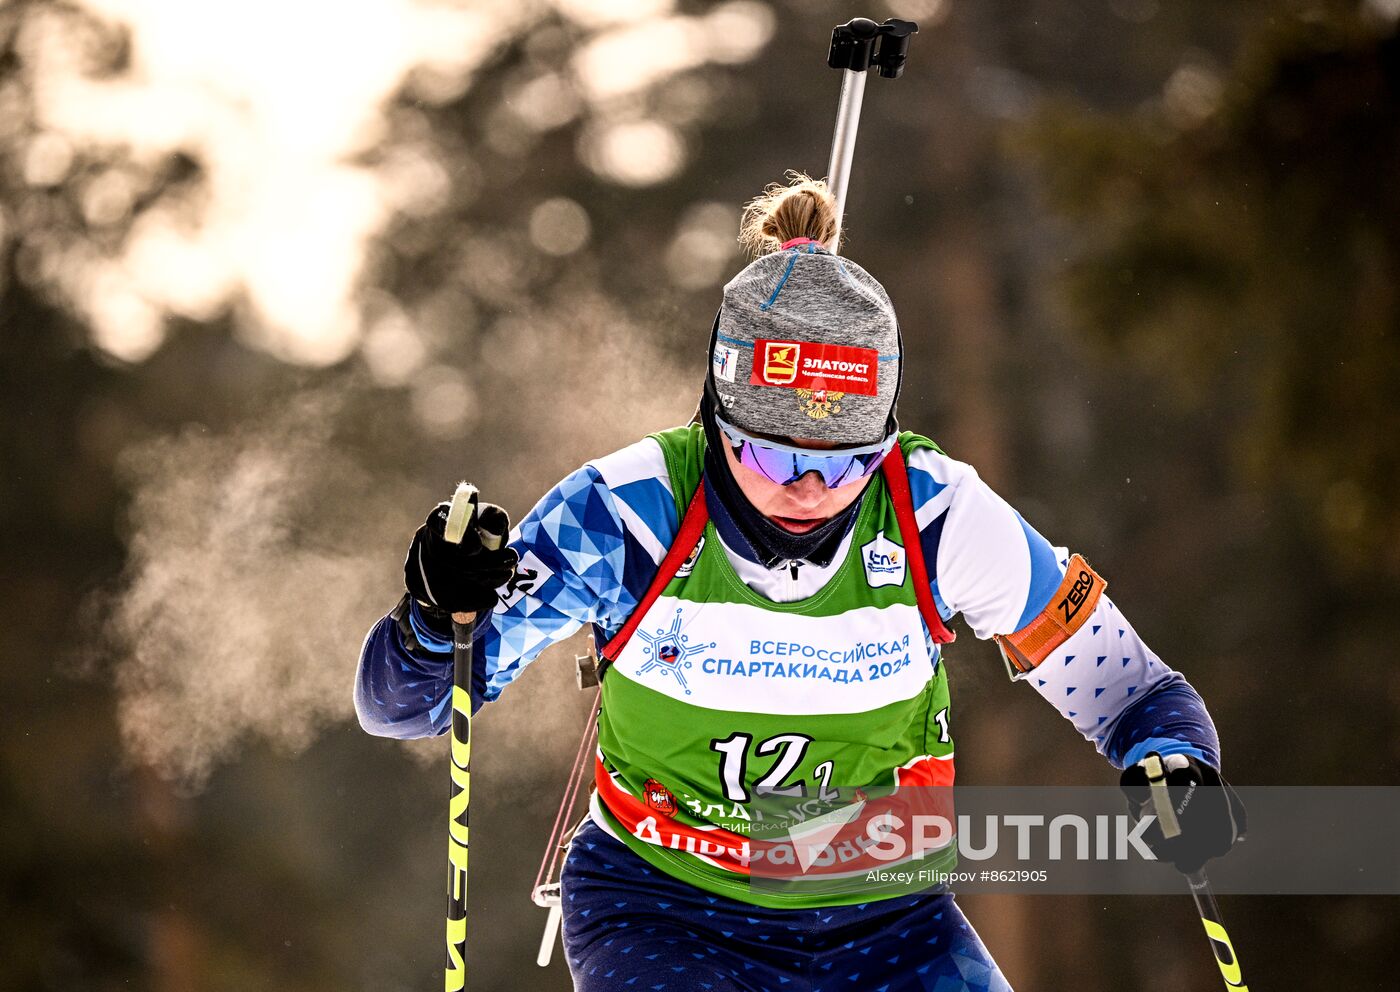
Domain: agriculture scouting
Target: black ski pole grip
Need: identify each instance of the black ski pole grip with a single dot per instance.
(894, 46)
(853, 44)
(856, 47)
(860, 44)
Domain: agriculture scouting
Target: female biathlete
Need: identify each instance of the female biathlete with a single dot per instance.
(791, 645)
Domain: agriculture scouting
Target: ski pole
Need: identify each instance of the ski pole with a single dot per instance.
(459, 517)
(856, 46)
(1206, 906)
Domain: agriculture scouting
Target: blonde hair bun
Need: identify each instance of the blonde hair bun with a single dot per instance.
(804, 208)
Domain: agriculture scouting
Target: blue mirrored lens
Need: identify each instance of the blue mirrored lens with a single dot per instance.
(786, 467)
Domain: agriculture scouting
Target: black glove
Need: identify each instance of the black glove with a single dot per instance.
(1208, 810)
(458, 578)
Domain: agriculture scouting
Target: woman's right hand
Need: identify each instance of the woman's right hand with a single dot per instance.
(459, 578)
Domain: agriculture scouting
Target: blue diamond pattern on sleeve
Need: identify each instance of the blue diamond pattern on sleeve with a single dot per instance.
(588, 569)
(576, 532)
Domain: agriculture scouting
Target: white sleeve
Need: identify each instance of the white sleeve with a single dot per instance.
(999, 573)
(992, 566)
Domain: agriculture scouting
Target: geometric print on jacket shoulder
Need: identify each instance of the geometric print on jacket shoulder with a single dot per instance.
(594, 542)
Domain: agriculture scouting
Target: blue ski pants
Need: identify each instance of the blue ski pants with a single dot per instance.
(631, 928)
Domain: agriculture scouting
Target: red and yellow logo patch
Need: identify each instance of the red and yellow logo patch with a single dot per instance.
(780, 362)
(830, 369)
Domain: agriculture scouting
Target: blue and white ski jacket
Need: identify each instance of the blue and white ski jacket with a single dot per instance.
(590, 548)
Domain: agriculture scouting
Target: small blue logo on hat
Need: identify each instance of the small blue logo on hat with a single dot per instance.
(724, 361)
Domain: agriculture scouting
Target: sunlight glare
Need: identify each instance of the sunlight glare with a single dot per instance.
(272, 101)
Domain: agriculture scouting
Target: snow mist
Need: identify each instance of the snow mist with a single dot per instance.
(258, 558)
(254, 561)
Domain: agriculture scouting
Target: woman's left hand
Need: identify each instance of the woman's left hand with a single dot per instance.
(1210, 812)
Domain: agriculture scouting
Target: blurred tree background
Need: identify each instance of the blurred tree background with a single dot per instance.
(275, 275)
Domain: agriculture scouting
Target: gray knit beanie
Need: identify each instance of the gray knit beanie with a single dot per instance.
(807, 346)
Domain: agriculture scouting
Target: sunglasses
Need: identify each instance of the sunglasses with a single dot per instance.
(786, 463)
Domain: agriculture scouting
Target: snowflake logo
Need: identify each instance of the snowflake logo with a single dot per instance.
(668, 651)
